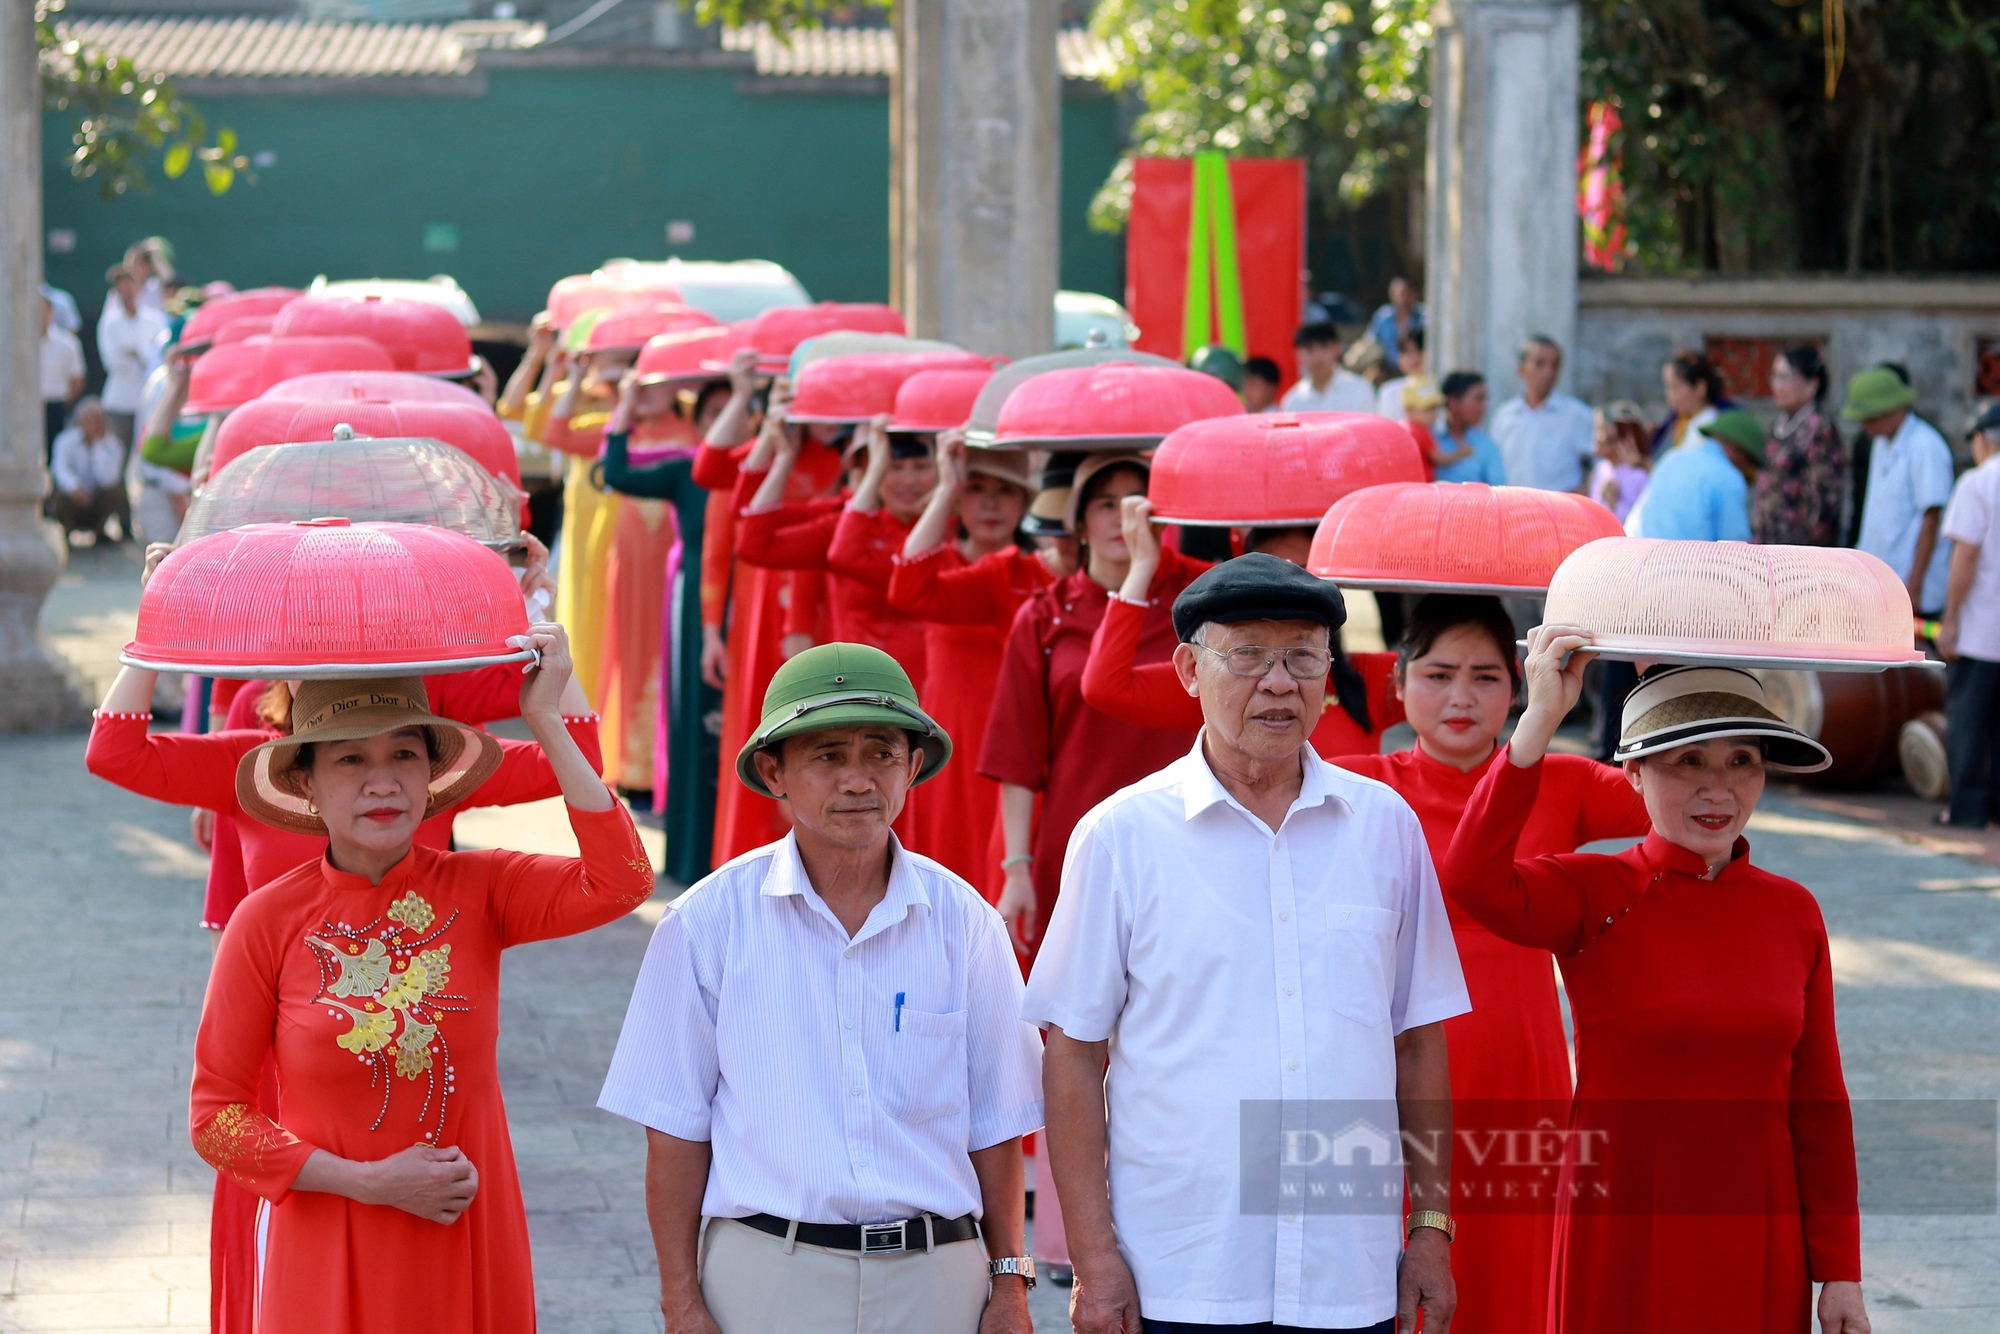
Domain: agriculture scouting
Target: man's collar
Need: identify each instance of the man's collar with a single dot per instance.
(1201, 789)
(786, 875)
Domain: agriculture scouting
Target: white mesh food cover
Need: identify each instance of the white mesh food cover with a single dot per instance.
(365, 480)
(1731, 600)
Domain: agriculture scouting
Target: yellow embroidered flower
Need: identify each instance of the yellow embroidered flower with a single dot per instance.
(425, 976)
(360, 974)
(371, 1032)
(412, 912)
(413, 1047)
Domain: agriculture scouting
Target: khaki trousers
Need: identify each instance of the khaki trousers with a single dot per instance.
(752, 1286)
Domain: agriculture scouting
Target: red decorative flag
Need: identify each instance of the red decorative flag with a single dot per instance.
(1600, 191)
(1258, 280)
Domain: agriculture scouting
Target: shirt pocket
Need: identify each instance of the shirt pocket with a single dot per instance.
(926, 1076)
(1360, 964)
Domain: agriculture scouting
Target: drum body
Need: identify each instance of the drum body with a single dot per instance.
(1858, 716)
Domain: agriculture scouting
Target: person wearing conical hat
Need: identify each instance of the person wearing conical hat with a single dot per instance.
(825, 1047)
(370, 978)
(1720, 1175)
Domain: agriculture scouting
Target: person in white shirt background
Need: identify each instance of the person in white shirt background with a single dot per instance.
(1546, 437)
(826, 1048)
(1969, 638)
(1256, 942)
(151, 262)
(129, 337)
(1324, 384)
(61, 374)
(1414, 387)
(1909, 481)
(87, 471)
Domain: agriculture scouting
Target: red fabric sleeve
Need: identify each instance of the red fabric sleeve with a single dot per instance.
(1822, 1126)
(940, 587)
(239, 1019)
(482, 696)
(718, 557)
(1539, 902)
(1016, 749)
(181, 768)
(584, 441)
(525, 774)
(856, 552)
(790, 536)
(715, 469)
(228, 885)
(243, 707)
(748, 483)
(540, 898)
(806, 590)
(1606, 804)
(1378, 673)
(1148, 696)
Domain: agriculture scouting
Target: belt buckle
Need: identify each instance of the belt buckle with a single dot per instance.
(883, 1239)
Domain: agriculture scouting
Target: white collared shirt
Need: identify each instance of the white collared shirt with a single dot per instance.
(1229, 965)
(1548, 447)
(837, 1080)
(1345, 392)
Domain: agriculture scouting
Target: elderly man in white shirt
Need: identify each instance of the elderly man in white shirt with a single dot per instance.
(87, 471)
(129, 339)
(826, 1048)
(1256, 942)
(1324, 384)
(1547, 438)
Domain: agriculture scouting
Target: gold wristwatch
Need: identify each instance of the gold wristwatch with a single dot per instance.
(1431, 1218)
(1013, 1264)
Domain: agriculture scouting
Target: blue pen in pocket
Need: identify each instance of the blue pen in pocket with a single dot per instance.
(899, 1011)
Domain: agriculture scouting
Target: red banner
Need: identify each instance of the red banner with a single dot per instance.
(1269, 198)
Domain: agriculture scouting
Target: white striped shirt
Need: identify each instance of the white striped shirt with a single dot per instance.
(837, 1080)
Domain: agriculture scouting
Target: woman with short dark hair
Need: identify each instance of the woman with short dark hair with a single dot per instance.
(1796, 496)
(1694, 392)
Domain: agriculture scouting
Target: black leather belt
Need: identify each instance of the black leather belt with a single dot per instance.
(905, 1234)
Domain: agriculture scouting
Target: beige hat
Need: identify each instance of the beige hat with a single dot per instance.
(1089, 468)
(1675, 706)
(1009, 465)
(272, 790)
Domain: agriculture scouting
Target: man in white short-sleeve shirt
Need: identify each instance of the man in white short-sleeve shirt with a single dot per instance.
(1969, 638)
(1256, 942)
(826, 1048)
(1909, 481)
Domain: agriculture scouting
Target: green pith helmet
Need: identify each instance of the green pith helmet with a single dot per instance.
(1221, 362)
(1876, 392)
(832, 686)
(1740, 429)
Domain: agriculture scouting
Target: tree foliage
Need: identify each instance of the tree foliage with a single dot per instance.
(782, 14)
(123, 117)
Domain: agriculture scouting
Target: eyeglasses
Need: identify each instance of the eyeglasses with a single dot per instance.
(1301, 664)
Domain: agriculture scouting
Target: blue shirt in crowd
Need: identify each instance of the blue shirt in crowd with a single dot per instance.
(1696, 494)
(1485, 465)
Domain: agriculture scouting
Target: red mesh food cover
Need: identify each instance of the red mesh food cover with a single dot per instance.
(629, 328)
(581, 293)
(373, 481)
(1270, 469)
(688, 356)
(1464, 537)
(938, 400)
(329, 599)
(212, 314)
(282, 421)
(228, 377)
(1114, 405)
(780, 329)
(418, 335)
(855, 388)
(1824, 608)
(374, 387)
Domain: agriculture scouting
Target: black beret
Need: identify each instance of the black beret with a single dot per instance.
(1257, 587)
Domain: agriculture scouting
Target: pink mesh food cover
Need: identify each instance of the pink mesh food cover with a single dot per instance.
(374, 387)
(1276, 468)
(1821, 607)
(780, 329)
(688, 356)
(938, 400)
(419, 336)
(1463, 537)
(212, 314)
(374, 481)
(1116, 405)
(230, 376)
(855, 388)
(326, 599)
(283, 421)
(630, 327)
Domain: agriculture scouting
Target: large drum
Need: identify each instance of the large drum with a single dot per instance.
(1858, 716)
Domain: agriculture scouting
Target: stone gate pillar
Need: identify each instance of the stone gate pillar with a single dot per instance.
(976, 118)
(1501, 232)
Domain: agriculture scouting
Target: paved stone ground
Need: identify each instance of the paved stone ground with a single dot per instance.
(103, 1206)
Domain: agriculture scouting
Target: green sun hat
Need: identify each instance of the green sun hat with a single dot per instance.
(1221, 362)
(832, 686)
(1740, 429)
(1876, 392)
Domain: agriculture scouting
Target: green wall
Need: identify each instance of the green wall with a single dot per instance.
(547, 173)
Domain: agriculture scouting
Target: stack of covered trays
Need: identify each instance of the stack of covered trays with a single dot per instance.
(1276, 469)
(1451, 537)
(326, 599)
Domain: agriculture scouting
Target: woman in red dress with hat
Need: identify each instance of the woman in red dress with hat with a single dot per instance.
(370, 977)
(966, 592)
(1720, 1184)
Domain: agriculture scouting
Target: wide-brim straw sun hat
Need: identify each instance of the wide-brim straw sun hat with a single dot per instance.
(1008, 465)
(1677, 706)
(832, 686)
(271, 790)
(1089, 468)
